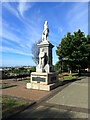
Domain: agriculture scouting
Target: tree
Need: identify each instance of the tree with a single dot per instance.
(88, 49)
(33, 69)
(61, 66)
(35, 52)
(58, 67)
(76, 48)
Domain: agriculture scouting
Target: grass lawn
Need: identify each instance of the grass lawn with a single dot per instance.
(12, 105)
(27, 81)
(3, 86)
(69, 77)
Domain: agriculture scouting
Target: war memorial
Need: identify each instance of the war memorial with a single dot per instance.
(45, 77)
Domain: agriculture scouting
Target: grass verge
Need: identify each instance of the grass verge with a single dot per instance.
(4, 86)
(12, 105)
(67, 78)
(27, 81)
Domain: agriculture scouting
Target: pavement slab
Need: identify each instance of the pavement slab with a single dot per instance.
(75, 95)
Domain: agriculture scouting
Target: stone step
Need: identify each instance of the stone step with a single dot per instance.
(39, 86)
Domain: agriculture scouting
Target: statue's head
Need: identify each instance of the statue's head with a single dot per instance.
(46, 22)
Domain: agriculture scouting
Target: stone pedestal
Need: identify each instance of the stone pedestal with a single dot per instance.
(43, 81)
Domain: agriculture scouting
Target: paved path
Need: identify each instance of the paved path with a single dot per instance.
(71, 102)
(75, 95)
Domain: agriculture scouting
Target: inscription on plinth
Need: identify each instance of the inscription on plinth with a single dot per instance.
(39, 79)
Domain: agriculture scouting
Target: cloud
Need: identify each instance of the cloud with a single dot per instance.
(46, 0)
(0, 19)
(58, 27)
(7, 33)
(23, 7)
(12, 50)
(78, 11)
(12, 40)
(77, 17)
(22, 36)
(60, 30)
(19, 9)
(16, 37)
(30, 26)
(55, 57)
(11, 9)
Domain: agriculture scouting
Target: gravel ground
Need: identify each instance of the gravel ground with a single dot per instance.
(21, 92)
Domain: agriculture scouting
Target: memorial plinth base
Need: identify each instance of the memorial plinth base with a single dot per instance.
(43, 81)
(38, 86)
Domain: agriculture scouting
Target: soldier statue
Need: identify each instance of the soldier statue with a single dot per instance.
(45, 32)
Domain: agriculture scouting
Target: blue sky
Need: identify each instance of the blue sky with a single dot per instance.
(23, 22)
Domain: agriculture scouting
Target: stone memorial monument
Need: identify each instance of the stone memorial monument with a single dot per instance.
(45, 77)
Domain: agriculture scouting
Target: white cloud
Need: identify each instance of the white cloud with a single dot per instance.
(8, 34)
(11, 9)
(46, 0)
(22, 37)
(78, 11)
(23, 7)
(55, 57)
(60, 30)
(10, 38)
(11, 50)
(77, 17)
(17, 10)
(0, 20)
(31, 29)
(23, 40)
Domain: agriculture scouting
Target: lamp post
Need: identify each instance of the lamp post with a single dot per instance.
(62, 66)
(63, 59)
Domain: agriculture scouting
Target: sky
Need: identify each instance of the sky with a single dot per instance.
(23, 24)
